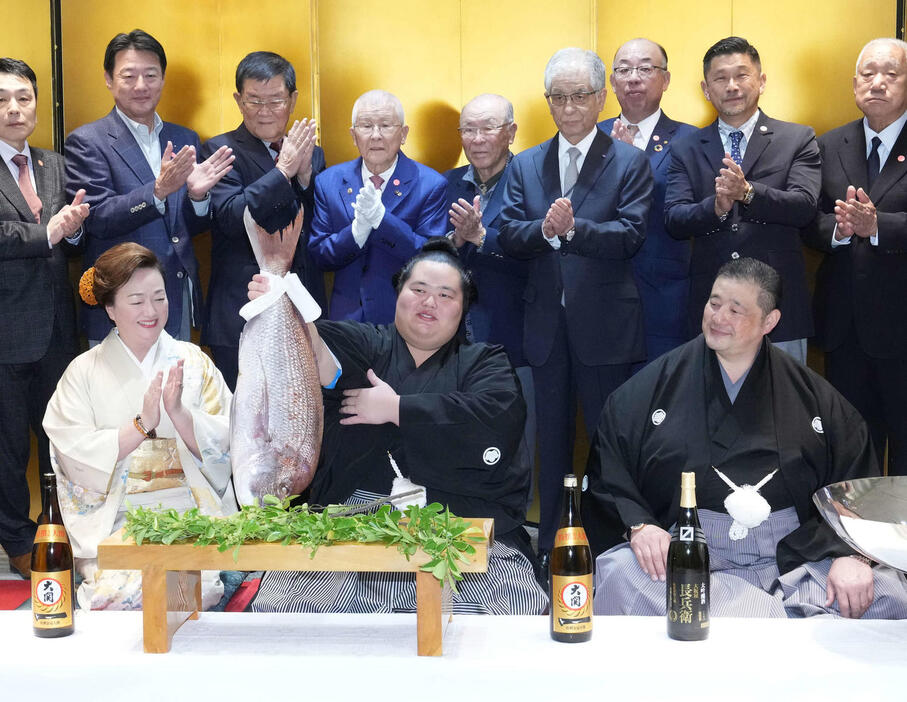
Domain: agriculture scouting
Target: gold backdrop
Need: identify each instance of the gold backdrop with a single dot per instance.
(437, 54)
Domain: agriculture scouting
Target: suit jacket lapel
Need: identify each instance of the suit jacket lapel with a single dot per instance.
(257, 152)
(760, 139)
(853, 155)
(548, 169)
(712, 147)
(350, 184)
(597, 159)
(496, 201)
(894, 169)
(9, 188)
(664, 131)
(122, 141)
(43, 185)
(401, 182)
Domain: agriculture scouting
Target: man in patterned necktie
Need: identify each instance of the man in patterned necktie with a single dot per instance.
(37, 317)
(744, 186)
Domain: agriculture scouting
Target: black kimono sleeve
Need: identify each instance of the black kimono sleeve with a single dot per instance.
(849, 455)
(612, 501)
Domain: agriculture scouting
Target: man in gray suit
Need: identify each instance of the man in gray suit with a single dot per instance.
(37, 325)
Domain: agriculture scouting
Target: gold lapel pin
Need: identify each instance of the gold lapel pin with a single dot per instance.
(349, 190)
(658, 147)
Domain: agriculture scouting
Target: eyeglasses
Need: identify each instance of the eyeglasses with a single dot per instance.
(578, 99)
(383, 129)
(473, 132)
(644, 72)
(273, 105)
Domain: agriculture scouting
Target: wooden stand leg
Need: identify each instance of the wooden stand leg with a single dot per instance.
(154, 610)
(169, 598)
(428, 614)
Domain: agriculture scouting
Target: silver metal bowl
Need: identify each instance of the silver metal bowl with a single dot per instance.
(870, 515)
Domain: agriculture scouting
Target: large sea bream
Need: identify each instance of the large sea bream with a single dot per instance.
(277, 415)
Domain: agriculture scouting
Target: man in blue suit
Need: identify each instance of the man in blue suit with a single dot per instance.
(639, 78)
(576, 207)
(141, 180)
(476, 193)
(274, 176)
(745, 186)
(374, 213)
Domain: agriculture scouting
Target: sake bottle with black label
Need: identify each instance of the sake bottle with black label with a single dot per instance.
(688, 570)
(570, 575)
(51, 568)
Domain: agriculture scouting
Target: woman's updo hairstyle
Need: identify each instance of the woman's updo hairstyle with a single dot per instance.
(112, 271)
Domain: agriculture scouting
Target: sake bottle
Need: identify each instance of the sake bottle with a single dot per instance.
(688, 570)
(51, 568)
(570, 574)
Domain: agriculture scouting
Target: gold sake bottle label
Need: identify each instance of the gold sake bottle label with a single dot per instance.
(570, 536)
(572, 603)
(51, 534)
(51, 599)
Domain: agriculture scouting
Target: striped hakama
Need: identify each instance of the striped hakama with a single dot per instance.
(745, 581)
(508, 587)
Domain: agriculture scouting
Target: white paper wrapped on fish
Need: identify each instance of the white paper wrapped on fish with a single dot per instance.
(451, 414)
(276, 423)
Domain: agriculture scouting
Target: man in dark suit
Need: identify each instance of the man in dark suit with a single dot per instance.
(274, 176)
(475, 193)
(37, 322)
(576, 206)
(639, 78)
(744, 186)
(862, 228)
(142, 180)
(374, 213)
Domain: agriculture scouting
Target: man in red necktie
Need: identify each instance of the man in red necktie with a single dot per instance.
(37, 323)
(372, 214)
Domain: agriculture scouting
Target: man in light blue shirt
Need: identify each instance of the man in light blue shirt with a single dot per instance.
(142, 180)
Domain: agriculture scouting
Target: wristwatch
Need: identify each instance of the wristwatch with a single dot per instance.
(633, 529)
(749, 194)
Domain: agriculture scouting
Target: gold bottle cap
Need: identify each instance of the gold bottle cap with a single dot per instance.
(570, 480)
(688, 480)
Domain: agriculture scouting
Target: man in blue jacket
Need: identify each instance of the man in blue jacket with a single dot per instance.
(142, 181)
(372, 214)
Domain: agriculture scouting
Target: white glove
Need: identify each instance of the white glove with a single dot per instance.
(369, 212)
(371, 207)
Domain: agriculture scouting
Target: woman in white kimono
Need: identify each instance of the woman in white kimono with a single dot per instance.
(140, 419)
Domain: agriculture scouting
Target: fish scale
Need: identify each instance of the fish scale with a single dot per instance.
(277, 416)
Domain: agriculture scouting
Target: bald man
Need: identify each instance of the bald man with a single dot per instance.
(862, 228)
(372, 214)
(476, 194)
(639, 77)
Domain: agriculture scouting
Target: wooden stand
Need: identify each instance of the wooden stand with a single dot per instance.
(171, 577)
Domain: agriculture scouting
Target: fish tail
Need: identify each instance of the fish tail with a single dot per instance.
(273, 252)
